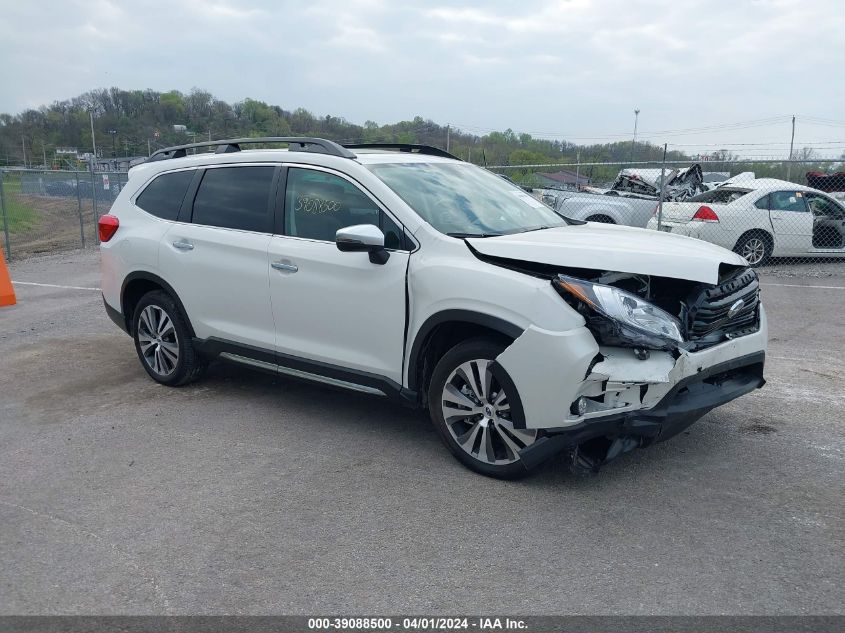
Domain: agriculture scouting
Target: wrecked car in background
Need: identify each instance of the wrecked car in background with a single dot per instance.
(833, 184)
(632, 198)
(680, 183)
(760, 219)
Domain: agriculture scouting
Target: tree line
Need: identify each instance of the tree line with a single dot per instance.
(129, 122)
(126, 120)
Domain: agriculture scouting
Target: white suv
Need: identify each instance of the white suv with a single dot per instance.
(401, 271)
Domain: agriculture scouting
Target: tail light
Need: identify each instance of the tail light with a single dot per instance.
(107, 227)
(656, 209)
(705, 214)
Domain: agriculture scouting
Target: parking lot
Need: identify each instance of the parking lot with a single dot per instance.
(247, 493)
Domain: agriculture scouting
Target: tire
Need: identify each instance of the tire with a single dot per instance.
(484, 440)
(756, 247)
(602, 219)
(163, 341)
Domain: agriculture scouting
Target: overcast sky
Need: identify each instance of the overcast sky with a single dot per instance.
(572, 69)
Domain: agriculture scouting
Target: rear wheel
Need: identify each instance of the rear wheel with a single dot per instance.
(474, 406)
(756, 247)
(163, 341)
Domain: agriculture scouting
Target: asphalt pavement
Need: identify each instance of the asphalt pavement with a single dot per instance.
(251, 494)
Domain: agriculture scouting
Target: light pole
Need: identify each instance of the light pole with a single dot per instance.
(634, 140)
(113, 135)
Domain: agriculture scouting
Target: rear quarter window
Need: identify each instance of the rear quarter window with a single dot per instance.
(720, 196)
(163, 196)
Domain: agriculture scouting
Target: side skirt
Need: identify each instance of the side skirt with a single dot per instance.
(305, 369)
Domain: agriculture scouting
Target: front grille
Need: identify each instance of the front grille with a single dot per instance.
(708, 317)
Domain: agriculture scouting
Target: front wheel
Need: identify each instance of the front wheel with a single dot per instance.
(476, 410)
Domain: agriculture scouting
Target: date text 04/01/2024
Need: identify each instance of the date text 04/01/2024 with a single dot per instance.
(417, 623)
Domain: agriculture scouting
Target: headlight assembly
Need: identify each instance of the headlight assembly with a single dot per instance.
(620, 318)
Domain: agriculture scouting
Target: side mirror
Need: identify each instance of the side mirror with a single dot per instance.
(363, 238)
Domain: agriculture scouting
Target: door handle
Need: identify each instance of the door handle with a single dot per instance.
(182, 245)
(291, 268)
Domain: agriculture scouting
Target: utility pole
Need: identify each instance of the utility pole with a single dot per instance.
(23, 146)
(578, 170)
(149, 153)
(447, 137)
(43, 154)
(634, 140)
(791, 145)
(662, 188)
(93, 139)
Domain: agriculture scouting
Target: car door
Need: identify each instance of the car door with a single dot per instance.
(828, 223)
(333, 307)
(216, 259)
(791, 221)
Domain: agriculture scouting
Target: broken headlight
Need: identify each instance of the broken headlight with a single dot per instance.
(617, 317)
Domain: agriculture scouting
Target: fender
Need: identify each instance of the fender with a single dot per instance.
(465, 316)
(148, 276)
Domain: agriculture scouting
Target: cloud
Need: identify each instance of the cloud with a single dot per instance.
(572, 68)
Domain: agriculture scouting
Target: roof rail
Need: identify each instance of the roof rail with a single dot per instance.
(404, 147)
(226, 146)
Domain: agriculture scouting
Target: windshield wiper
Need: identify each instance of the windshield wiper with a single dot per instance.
(542, 228)
(474, 234)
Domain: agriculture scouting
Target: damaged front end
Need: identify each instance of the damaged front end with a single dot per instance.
(669, 351)
(662, 313)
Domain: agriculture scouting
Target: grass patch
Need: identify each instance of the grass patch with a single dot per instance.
(21, 216)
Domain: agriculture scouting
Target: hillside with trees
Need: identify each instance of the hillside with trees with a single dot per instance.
(128, 122)
(139, 116)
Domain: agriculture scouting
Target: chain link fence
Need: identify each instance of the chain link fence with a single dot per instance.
(45, 211)
(771, 212)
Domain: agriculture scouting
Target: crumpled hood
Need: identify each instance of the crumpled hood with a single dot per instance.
(614, 248)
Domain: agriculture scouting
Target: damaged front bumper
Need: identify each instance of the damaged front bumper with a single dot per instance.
(628, 401)
(686, 402)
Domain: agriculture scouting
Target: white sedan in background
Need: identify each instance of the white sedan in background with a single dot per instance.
(760, 219)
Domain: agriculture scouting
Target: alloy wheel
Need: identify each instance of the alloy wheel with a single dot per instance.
(754, 250)
(478, 415)
(158, 340)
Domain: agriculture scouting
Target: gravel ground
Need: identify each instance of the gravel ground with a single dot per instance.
(250, 494)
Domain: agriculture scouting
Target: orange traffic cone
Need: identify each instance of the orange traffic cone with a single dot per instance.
(7, 293)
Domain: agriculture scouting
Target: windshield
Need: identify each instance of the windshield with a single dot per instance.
(463, 200)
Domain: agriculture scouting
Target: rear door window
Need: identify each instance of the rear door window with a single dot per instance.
(235, 198)
(163, 196)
